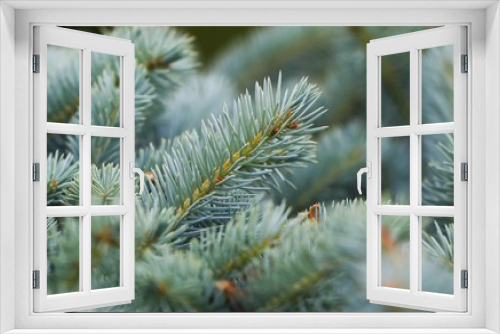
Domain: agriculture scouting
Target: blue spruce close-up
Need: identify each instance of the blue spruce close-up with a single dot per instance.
(250, 156)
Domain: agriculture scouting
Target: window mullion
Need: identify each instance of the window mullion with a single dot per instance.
(419, 129)
(433, 128)
(106, 131)
(414, 180)
(392, 210)
(67, 129)
(85, 169)
(81, 159)
(108, 210)
(419, 164)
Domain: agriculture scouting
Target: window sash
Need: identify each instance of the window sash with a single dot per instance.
(85, 43)
(413, 43)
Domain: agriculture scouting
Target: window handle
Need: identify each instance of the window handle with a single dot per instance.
(133, 170)
(368, 171)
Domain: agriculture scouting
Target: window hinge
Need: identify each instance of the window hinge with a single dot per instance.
(36, 172)
(36, 279)
(465, 279)
(465, 64)
(464, 171)
(36, 63)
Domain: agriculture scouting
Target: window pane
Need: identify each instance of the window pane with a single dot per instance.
(105, 171)
(395, 92)
(63, 255)
(437, 254)
(437, 84)
(395, 252)
(63, 84)
(63, 185)
(105, 246)
(395, 177)
(105, 93)
(437, 170)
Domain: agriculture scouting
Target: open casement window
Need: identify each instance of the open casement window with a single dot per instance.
(70, 221)
(416, 190)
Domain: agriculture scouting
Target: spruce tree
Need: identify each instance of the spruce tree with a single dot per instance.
(237, 214)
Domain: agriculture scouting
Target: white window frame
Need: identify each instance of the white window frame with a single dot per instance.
(85, 44)
(413, 43)
(483, 21)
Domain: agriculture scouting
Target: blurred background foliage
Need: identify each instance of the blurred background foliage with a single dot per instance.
(222, 249)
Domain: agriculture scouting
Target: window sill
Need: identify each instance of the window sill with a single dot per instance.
(250, 331)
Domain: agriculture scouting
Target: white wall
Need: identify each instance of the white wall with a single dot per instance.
(7, 171)
(492, 148)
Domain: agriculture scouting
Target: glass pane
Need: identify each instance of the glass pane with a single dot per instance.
(105, 93)
(395, 93)
(63, 185)
(105, 247)
(437, 84)
(395, 178)
(395, 252)
(105, 171)
(437, 254)
(437, 170)
(63, 84)
(63, 255)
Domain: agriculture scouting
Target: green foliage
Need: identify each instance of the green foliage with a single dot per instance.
(209, 236)
(61, 171)
(264, 260)
(174, 282)
(167, 59)
(166, 54)
(156, 230)
(440, 247)
(105, 251)
(438, 188)
(206, 174)
(62, 260)
(335, 59)
(228, 251)
(340, 152)
(199, 98)
(105, 186)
